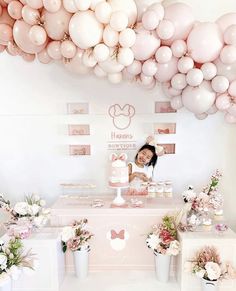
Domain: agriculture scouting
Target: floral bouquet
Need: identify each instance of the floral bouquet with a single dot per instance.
(163, 238)
(29, 212)
(13, 260)
(207, 265)
(76, 236)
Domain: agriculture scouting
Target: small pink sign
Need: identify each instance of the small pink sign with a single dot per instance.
(80, 150)
(164, 107)
(79, 129)
(77, 108)
(164, 128)
(169, 148)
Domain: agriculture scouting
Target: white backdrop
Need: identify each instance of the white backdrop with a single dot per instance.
(34, 139)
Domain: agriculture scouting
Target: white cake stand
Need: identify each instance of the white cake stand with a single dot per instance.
(119, 200)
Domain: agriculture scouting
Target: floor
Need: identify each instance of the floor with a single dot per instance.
(117, 281)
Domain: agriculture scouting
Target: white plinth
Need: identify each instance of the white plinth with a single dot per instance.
(192, 242)
(50, 265)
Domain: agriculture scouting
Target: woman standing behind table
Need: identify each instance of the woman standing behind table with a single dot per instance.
(141, 170)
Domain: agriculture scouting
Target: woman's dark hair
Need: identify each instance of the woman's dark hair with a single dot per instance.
(153, 160)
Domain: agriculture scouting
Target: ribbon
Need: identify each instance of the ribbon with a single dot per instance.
(120, 235)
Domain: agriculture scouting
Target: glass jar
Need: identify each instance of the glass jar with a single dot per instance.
(160, 189)
(143, 189)
(152, 189)
(168, 189)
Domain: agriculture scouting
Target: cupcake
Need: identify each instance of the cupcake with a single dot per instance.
(207, 224)
(218, 215)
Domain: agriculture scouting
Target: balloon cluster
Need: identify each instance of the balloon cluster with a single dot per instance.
(135, 40)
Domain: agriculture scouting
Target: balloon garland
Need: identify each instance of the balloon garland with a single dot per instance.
(135, 40)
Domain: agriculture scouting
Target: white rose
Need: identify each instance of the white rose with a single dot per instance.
(3, 261)
(153, 241)
(67, 233)
(35, 197)
(21, 208)
(200, 273)
(33, 209)
(39, 220)
(174, 248)
(213, 270)
(42, 202)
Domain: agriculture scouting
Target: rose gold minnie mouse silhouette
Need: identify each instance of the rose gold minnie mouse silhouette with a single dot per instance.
(121, 116)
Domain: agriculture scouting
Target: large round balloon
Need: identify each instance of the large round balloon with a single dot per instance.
(167, 70)
(127, 6)
(226, 20)
(21, 38)
(76, 65)
(85, 30)
(226, 70)
(198, 99)
(56, 24)
(111, 65)
(205, 42)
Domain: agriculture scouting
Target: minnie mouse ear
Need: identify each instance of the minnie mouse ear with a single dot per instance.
(160, 151)
(150, 139)
(113, 157)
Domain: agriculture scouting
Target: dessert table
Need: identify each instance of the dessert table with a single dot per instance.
(119, 232)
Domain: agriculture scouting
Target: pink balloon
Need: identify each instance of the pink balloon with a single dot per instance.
(145, 46)
(229, 71)
(230, 35)
(194, 77)
(198, 99)
(223, 102)
(209, 71)
(166, 71)
(6, 19)
(165, 29)
(135, 68)
(28, 57)
(68, 49)
(3, 3)
(36, 4)
(150, 20)
(182, 17)
(52, 5)
(0, 10)
(76, 65)
(37, 35)
(176, 102)
(205, 42)
(185, 64)
(146, 80)
(226, 20)
(14, 9)
(232, 88)
(220, 84)
(201, 116)
(54, 50)
(126, 75)
(212, 110)
(230, 118)
(179, 48)
(30, 15)
(44, 57)
(179, 81)
(163, 54)
(21, 37)
(149, 67)
(5, 34)
(13, 49)
(2, 48)
(232, 110)
(170, 91)
(228, 54)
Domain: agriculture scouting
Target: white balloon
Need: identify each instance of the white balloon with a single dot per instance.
(90, 30)
(229, 71)
(101, 52)
(220, 84)
(125, 56)
(35, 4)
(94, 3)
(194, 77)
(209, 71)
(169, 91)
(82, 5)
(99, 72)
(70, 6)
(76, 65)
(230, 118)
(232, 88)
(179, 81)
(163, 54)
(143, 5)
(126, 6)
(150, 20)
(111, 65)
(103, 12)
(135, 68)
(68, 49)
(88, 59)
(201, 116)
(176, 102)
(54, 50)
(37, 35)
(110, 36)
(146, 80)
(179, 48)
(159, 10)
(185, 64)
(212, 110)
(223, 102)
(198, 99)
(230, 35)
(228, 54)
(115, 78)
(165, 29)
(127, 37)
(149, 67)
(52, 5)
(118, 20)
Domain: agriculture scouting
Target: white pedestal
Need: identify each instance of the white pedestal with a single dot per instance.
(194, 241)
(50, 264)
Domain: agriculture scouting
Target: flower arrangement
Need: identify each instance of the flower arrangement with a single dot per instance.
(163, 238)
(207, 265)
(31, 210)
(76, 236)
(13, 260)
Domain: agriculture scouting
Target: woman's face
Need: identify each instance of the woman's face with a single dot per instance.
(144, 157)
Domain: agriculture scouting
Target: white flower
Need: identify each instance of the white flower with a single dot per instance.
(40, 220)
(152, 241)
(174, 248)
(33, 209)
(21, 208)
(42, 202)
(67, 233)
(189, 194)
(200, 273)
(3, 261)
(35, 197)
(213, 270)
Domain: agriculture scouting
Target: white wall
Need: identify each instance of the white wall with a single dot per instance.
(34, 139)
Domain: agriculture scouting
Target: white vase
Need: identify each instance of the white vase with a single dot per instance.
(162, 263)
(5, 284)
(209, 285)
(81, 262)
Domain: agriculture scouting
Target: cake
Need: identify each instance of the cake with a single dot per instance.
(118, 174)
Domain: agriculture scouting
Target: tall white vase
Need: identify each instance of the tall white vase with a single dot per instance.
(162, 263)
(81, 263)
(6, 285)
(209, 285)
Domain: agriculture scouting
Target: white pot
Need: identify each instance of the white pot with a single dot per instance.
(209, 285)
(162, 267)
(81, 262)
(5, 284)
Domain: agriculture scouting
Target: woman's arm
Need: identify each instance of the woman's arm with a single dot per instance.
(141, 176)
